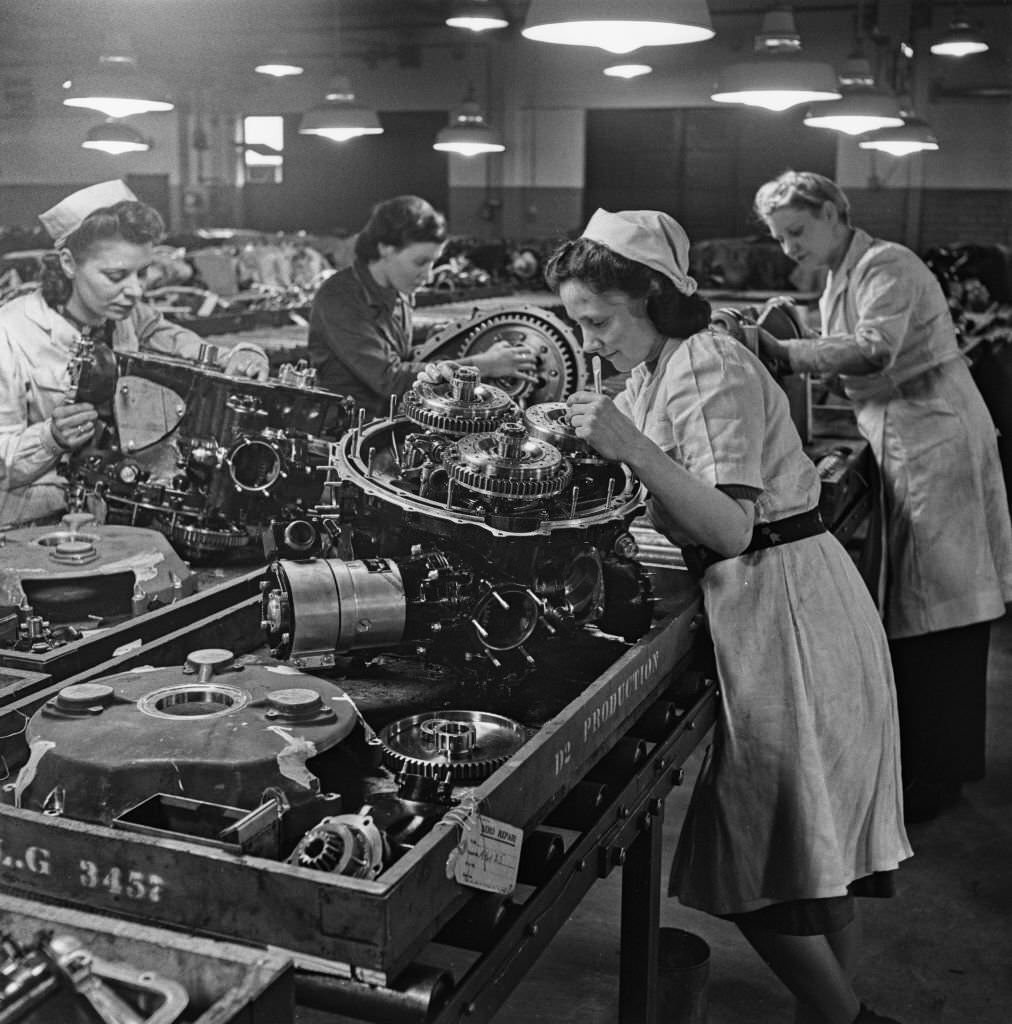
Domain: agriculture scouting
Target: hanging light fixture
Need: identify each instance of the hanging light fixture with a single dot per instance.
(863, 106)
(960, 39)
(912, 136)
(468, 133)
(627, 70)
(776, 78)
(618, 27)
(117, 88)
(339, 117)
(279, 65)
(116, 138)
(478, 16)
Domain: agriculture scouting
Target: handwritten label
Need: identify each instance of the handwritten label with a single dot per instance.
(488, 855)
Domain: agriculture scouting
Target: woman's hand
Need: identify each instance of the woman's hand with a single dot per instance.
(595, 418)
(506, 359)
(73, 426)
(250, 362)
(440, 370)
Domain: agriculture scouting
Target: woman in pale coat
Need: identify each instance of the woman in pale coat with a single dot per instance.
(798, 808)
(92, 286)
(888, 336)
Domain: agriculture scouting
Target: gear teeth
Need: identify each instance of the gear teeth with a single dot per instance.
(460, 771)
(319, 849)
(564, 349)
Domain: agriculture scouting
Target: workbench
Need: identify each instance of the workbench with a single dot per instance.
(414, 945)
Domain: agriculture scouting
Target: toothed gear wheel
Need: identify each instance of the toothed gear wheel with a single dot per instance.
(549, 421)
(508, 463)
(447, 407)
(198, 541)
(561, 370)
(433, 743)
(347, 844)
(319, 849)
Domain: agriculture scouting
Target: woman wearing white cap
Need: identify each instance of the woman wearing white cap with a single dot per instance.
(92, 286)
(798, 807)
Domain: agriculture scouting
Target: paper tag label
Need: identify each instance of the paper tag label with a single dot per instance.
(488, 855)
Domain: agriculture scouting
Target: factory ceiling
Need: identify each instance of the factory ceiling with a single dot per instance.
(200, 42)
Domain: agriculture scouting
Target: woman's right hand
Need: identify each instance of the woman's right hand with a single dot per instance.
(434, 372)
(73, 426)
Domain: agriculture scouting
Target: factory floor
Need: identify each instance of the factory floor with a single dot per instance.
(939, 952)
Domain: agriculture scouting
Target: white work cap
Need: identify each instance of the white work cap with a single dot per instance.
(63, 219)
(647, 236)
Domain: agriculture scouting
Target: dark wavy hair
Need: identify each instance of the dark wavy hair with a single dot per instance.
(129, 220)
(673, 313)
(399, 222)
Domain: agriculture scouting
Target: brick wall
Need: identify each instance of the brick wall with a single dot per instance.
(943, 216)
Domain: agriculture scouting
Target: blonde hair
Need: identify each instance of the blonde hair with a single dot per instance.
(800, 189)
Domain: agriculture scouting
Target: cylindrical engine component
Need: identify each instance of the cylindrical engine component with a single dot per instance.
(254, 465)
(415, 996)
(209, 731)
(325, 605)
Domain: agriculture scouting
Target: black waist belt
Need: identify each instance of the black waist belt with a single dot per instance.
(764, 535)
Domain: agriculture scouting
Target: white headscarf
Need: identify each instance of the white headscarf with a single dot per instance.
(649, 237)
(63, 219)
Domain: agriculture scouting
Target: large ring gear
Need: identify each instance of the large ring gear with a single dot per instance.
(561, 367)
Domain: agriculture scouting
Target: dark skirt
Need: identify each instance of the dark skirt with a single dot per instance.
(941, 690)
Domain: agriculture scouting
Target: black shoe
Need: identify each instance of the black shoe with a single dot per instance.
(867, 1016)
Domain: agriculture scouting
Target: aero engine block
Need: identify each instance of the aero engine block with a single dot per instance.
(463, 531)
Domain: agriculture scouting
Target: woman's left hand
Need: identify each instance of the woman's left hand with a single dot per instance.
(595, 418)
(251, 363)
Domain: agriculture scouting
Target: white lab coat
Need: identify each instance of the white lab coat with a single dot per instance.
(36, 344)
(948, 536)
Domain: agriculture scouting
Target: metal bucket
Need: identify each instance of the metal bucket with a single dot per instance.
(683, 973)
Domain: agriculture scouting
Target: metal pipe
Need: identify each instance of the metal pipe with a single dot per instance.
(415, 997)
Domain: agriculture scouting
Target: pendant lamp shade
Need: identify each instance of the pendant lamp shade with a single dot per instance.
(960, 39)
(116, 87)
(862, 108)
(913, 136)
(618, 27)
(339, 117)
(857, 112)
(776, 83)
(627, 70)
(115, 138)
(776, 78)
(477, 16)
(279, 65)
(468, 133)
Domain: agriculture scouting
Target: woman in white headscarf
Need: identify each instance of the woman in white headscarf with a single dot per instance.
(92, 287)
(798, 806)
